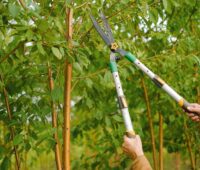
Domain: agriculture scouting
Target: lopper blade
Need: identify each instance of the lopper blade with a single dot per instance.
(100, 31)
(107, 28)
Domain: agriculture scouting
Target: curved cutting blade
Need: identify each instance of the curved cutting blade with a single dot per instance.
(107, 28)
(100, 31)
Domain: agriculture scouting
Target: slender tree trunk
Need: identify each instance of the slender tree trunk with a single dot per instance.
(25, 160)
(150, 123)
(66, 127)
(69, 26)
(25, 153)
(161, 141)
(177, 161)
(22, 4)
(11, 128)
(196, 75)
(189, 146)
(67, 95)
(54, 122)
(1, 133)
(4, 132)
(198, 94)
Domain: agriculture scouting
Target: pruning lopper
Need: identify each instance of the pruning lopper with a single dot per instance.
(107, 36)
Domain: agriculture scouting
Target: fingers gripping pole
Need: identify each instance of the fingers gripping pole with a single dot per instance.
(158, 81)
(122, 101)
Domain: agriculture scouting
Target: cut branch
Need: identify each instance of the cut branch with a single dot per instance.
(11, 128)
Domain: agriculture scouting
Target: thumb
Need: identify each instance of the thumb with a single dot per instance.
(125, 137)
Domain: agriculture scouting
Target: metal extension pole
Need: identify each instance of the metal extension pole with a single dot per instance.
(158, 81)
(121, 98)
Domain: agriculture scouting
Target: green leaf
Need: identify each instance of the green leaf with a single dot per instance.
(197, 60)
(108, 77)
(107, 121)
(167, 6)
(117, 118)
(40, 48)
(153, 14)
(57, 94)
(15, 42)
(42, 25)
(14, 10)
(77, 67)
(1, 85)
(62, 51)
(172, 118)
(56, 52)
(59, 25)
(2, 150)
(89, 103)
(18, 139)
(5, 163)
(29, 35)
(33, 135)
(89, 83)
(7, 137)
(27, 146)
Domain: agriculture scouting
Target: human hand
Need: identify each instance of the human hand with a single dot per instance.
(194, 114)
(133, 146)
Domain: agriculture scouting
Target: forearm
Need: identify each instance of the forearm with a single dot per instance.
(141, 163)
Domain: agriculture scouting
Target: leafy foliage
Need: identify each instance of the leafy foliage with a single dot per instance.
(163, 34)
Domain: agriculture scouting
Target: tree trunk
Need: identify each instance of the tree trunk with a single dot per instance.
(25, 153)
(161, 141)
(66, 127)
(196, 75)
(54, 122)
(177, 161)
(189, 146)
(25, 160)
(67, 95)
(17, 161)
(150, 123)
(2, 133)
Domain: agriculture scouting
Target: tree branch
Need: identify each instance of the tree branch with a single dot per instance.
(54, 121)
(11, 52)
(11, 128)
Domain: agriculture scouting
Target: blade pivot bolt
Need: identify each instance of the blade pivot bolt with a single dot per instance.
(114, 46)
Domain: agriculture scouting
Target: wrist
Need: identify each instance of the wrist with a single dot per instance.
(136, 155)
(140, 153)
